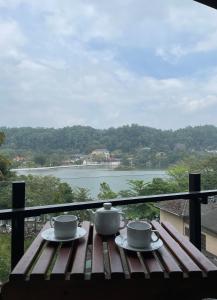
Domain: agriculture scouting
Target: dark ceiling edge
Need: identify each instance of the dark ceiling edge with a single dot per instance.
(211, 3)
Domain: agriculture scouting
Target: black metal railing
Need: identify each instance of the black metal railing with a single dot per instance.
(19, 212)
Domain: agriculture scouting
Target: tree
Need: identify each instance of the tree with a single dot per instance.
(208, 170)
(45, 190)
(139, 211)
(40, 159)
(207, 166)
(2, 137)
(81, 195)
(136, 188)
(179, 176)
(5, 195)
(161, 186)
(4, 162)
(106, 192)
(5, 245)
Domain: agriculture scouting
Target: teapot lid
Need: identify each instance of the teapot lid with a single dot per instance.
(107, 208)
(107, 205)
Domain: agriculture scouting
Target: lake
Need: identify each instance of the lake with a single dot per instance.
(90, 177)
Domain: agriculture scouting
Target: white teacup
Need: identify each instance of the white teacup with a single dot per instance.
(139, 234)
(65, 226)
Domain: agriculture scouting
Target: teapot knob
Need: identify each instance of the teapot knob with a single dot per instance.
(107, 205)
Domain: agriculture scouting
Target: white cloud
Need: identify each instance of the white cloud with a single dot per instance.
(191, 104)
(101, 96)
(193, 30)
(172, 54)
(208, 43)
(54, 77)
(11, 39)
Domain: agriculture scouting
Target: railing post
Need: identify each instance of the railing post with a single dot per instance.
(17, 234)
(195, 210)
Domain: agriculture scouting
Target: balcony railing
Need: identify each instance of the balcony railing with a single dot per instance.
(19, 212)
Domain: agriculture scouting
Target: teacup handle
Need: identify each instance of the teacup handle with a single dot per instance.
(157, 234)
(125, 221)
(52, 222)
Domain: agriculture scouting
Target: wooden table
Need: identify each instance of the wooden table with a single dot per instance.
(95, 268)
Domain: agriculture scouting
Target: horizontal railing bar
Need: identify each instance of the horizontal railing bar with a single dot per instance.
(39, 210)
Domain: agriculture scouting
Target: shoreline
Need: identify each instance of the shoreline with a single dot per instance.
(112, 167)
(64, 166)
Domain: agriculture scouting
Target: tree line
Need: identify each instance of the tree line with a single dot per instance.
(84, 139)
(135, 146)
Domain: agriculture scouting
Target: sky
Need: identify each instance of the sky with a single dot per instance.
(107, 63)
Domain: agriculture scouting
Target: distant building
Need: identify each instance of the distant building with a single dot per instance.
(19, 158)
(211, 151)
(100, 155)
(179, 147)
(67, 162)
(115, 163)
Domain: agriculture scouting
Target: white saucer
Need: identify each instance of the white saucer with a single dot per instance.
(48, 235)
(121, 241)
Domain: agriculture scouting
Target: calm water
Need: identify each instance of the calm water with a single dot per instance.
(91, 177)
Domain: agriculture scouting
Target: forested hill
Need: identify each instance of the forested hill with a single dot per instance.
(83, 139)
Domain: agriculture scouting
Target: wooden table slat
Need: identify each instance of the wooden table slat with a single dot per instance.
(97, 257)
(136, 269)
(40, 269)
(192, 251)
(115, 259)
(152, 264)
(63, 259)
(177, 251)
(171, 266)
(19, 272)
(79, 258)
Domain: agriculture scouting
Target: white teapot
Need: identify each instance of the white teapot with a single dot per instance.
(107, 219)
